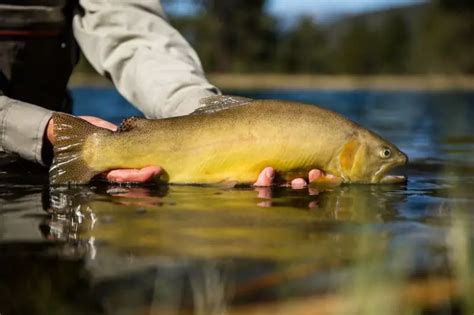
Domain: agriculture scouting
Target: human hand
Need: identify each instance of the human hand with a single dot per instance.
(116, 176)
(267, 177)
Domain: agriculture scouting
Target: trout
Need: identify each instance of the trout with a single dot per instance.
(227, 139)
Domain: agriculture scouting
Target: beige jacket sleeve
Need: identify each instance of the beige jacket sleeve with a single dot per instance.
(22, 127)
(149, 62)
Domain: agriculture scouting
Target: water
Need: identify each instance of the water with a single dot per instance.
(355, 249)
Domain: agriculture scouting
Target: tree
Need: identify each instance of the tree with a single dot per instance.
(303, 49)
(235, 35)
(445, 38)
(394, 45)
(357, 51)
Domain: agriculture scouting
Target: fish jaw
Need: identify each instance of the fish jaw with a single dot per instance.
(380, 177)
(393, 179)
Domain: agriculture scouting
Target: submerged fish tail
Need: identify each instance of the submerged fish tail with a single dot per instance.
(68, 165)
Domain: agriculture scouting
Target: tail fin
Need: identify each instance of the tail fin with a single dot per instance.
(68, 165)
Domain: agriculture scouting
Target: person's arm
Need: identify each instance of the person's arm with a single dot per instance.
(27, 130)
(150, 63)
(22, 128)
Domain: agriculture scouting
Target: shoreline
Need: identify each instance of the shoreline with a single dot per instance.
(235, 82)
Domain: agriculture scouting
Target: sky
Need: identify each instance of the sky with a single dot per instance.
(327, 9)
(322, 10)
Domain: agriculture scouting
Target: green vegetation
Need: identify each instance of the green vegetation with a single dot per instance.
(238, 36)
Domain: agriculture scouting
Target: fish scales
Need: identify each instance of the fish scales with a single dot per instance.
(231, 143)
(207, 147)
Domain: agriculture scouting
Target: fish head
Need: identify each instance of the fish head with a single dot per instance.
(372, 157)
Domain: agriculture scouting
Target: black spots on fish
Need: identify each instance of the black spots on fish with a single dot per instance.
(129, 123)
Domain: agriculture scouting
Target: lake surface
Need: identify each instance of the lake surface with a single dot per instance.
(359, 249)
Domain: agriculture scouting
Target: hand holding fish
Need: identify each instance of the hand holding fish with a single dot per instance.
(141, 175)
(267, 178)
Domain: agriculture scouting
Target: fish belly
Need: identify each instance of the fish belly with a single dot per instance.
(239, 160)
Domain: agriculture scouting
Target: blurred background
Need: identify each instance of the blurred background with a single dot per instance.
(385, 39)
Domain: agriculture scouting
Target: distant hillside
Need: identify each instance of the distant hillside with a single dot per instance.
(411, 14)
(436, 37)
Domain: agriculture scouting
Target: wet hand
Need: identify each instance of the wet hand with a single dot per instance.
(120, 175)
(91, 119)
(267, 177)
(124, 175)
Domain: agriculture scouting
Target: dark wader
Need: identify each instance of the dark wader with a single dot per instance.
(37, 51)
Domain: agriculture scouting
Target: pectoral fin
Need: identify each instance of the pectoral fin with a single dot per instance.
(326, 182)
(348, 154)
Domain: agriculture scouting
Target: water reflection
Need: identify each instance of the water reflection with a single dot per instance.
(214, 223)
(204, 250)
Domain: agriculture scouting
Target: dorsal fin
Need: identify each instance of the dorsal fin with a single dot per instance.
(217, 103)
(130, 123)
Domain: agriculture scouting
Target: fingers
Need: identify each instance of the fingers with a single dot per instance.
(265, 178)
(50, 135)
(314, 174)
(298, 183)
(133, 175)
(99, 122)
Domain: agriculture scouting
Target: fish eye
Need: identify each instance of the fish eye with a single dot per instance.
(385, 153)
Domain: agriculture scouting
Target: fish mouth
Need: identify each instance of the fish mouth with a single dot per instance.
(381, 176)
(393, 179)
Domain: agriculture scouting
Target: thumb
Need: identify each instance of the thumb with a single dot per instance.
(99, 122)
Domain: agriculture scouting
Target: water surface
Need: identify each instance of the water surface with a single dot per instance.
(360, 249)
